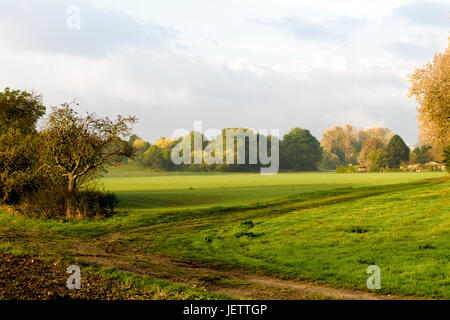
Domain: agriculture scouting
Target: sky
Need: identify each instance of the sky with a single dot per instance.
(251, 63)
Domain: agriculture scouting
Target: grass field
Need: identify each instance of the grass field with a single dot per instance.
(148, 190)
(321, 227)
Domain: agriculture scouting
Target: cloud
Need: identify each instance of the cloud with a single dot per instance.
(410, 49)
(342, 70)
(42, 26)
(302, 28)
(434, 14)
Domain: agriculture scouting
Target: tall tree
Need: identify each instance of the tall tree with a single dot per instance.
(397, 152)
(430, 86)
(300, 150)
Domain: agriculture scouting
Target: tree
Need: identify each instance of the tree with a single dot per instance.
(140, 146)
(20, 110)
(79, 148)
(421, 155)
(447, 158)
(373, 147)
(341, 143)
(156, 158)
(376, 159)
(19, 113)
(430, 86)
(18, 162)
(383, 135)
(397, 151)
(300, 150)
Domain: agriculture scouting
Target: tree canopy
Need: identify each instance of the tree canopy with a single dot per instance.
(20, 110)
(397, 152)
(300, 150)
(430, 85)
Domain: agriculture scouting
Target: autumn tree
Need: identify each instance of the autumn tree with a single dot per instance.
(373, 153)
(382, 134)
(79, 148)
(341, 145)
(430, 85)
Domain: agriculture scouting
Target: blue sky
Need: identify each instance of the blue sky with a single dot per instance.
(258, 64)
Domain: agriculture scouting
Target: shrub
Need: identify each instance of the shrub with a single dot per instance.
(94, 203)
(53, 201)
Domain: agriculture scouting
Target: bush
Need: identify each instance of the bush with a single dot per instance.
(53, 201)
(344, 169)
(94, 203)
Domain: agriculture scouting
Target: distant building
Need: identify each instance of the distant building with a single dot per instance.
(432, 165)
(361, 169)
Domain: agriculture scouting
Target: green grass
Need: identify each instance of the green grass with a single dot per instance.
(149, 190)
(322, 227)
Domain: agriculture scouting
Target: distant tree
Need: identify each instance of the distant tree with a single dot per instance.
(383, 135)
(79, 148)
(430, 86)
(376, 159)
(157, 158)
(300, 150)
(421, 155)
(20, 110)
(446, 158)
(397, 152)
(140, 146)
(341, 143)
(371, 147)
(330, 161)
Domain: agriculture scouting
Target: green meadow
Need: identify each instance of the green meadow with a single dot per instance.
(150, 190)
(323, 227)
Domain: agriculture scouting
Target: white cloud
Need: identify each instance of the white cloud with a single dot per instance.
(311, 64)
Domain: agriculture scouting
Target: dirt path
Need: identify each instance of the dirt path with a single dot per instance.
(240, 284)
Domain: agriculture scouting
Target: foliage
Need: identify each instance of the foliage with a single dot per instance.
(157, 158)
(370, 150)
(421, 155)
(18, 164)
(330, 161)
(397, 152)
(376, 159)
(79, 148)
(430, 85)
(341, 146)
(300, 150)
(446, 158)
(19, 110)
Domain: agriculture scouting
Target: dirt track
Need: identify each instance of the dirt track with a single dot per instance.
(240, 284)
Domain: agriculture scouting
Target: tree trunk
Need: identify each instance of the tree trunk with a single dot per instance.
(70, 196)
